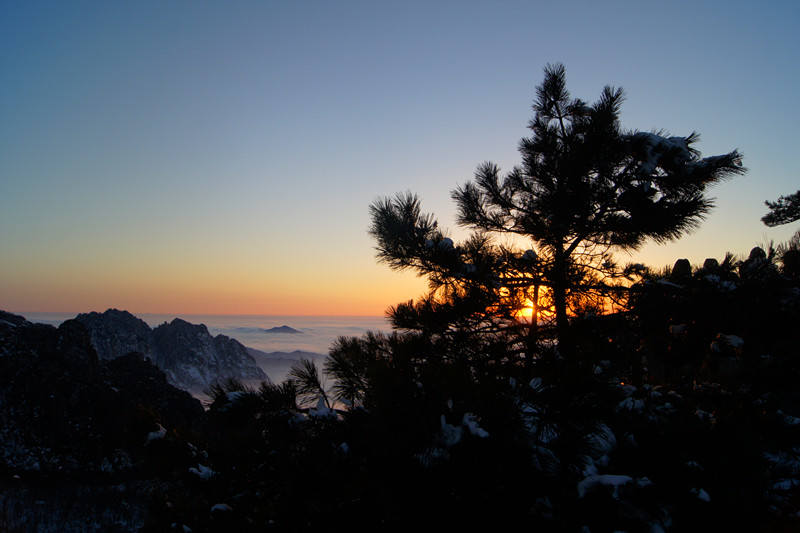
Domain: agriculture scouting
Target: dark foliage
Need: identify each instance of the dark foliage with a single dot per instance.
(784, 210)
(585, 188)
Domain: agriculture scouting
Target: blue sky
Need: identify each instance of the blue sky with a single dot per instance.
(220, 157)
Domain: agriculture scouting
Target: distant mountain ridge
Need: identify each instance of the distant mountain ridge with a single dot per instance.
(278, 364)
(283, 329)
(188, 354)
(279, 329)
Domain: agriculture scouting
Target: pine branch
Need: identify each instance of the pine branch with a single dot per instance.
(783, 211)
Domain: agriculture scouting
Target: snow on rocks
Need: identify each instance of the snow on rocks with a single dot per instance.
(720, 284)
(203, 472)
(789, 420)
(471, 424)
(695, 465)
(700, 494)
(221, 508)
(297, 418)
(608, 480)
(158, 434)
(231, 399)
(705, 416)
(722, 340)
(449, 435)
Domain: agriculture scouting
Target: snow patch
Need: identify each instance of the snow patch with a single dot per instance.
(721, 285)
(657, 146)
(789, 419)
(322, 410)
(471, 424)
(705, 416)
(158, 434)
(221, 508)
(203, 472)
(734, 341)
(449, 435)
(612, 481)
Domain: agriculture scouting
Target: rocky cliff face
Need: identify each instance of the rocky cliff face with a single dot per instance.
(77, 432)
(193, 359)
(190, 357)
(115, 333)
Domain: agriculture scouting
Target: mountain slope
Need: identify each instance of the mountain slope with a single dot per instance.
(84, 440)
(188, 354)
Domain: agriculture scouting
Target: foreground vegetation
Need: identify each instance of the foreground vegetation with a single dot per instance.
(679, 414)
(627, 400)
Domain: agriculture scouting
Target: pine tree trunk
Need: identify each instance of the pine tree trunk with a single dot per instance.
(560, 302)
(533, 331)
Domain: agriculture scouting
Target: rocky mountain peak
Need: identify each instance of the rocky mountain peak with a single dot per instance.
(115, 333)
(187, 353)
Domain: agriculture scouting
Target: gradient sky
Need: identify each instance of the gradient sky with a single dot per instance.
(220, 157)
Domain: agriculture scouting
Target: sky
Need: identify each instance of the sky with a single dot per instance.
(220, 157)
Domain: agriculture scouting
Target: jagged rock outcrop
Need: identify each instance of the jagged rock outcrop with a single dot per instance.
(115, 333)
(188, 354)
(76, 443)
(193, 359)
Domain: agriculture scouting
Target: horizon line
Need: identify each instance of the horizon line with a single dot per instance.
(383, 315)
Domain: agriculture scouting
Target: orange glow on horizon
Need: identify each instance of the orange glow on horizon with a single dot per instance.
(192, 294)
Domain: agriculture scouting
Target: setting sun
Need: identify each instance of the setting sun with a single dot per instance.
(527, 311)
